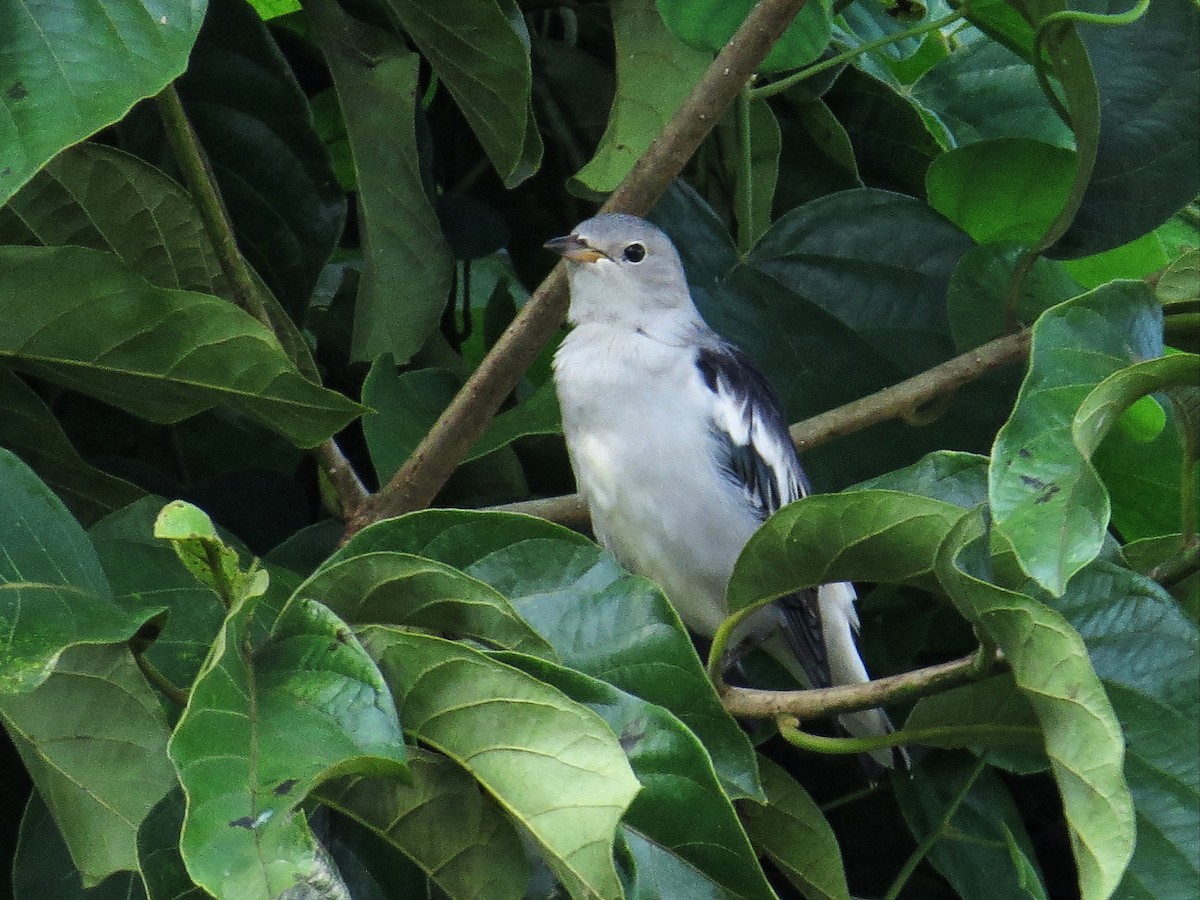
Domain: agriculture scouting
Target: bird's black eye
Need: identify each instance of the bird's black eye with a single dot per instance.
(634, 253)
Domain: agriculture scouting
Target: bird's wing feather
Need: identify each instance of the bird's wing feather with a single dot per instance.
(755, 452)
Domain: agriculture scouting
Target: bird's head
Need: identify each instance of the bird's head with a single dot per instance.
(623, 271)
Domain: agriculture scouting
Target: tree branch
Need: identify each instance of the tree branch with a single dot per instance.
(899, 401)
(751, 703)
(464, 420)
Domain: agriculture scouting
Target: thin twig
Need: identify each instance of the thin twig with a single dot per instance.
(751, 703)
(202, 186)
(464, 420)
(895, 402)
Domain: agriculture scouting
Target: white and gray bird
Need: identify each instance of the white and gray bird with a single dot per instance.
(681, 450)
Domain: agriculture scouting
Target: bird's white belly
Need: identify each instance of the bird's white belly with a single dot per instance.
(637, 428)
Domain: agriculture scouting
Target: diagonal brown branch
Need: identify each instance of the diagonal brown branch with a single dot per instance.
(439, 453)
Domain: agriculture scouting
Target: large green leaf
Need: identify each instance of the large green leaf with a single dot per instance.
(655, 71)
(42, 867)
(599, 620)
(79, 317)
(255, 125)
(160, 863)
(1148, 155)
(973, 852)
(709, 24)
(552, 764)
(681, 808)
(791, 831)
(1051, 666)
(443, 821)
(68, 69)
(1144, 649)
(387, 588)
(261, 731)
(53, 593)
(480, 50)
(29, 429)
(99, 773)
(1045, 496)
(407, 264)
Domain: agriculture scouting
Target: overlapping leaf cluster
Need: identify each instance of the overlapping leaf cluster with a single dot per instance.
(483, 704)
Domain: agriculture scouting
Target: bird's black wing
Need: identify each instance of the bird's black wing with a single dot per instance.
(756, 453)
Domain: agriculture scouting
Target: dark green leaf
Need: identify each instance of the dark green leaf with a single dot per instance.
(553, 765)
(53, 593)
(160, 863)
(69, 69)
(100, 774)
(443, 821)
(407, 265)
(84, 320)
(1045, 496)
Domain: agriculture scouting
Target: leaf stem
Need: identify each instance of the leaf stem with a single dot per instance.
(745, 182)
(1174, 570)
(166, 687)
(928, 842)
(203, 187)
(778, 87)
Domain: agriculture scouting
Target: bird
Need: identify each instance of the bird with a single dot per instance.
(681, 450)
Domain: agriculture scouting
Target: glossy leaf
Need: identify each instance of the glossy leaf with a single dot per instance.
(793, 833)
(973, 853)
(407, 264)
(99, 774)
(1003, 190)
(254, 124)
(654, 73)
(1144, 648)
(87, 322)
(42, 867)
(387, 588)
(947, 475)
(29, 429)
(708, 25)
(443, 821)
(480, 50)
(599, 620)
(1083, 737)
(1045, 496)
(69, 69)
(1148, 153)
(552, 764)
(53, 593)
(261, 731)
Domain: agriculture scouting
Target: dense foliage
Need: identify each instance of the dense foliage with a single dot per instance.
(232, 233)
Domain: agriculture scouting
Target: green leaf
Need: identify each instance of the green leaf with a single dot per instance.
(681, 808)
(160, 863)
(63, 75)
(80, 318)
(386, 588)
(552, 764)
(42, 867)
(948, 475)
(255, 125)
(29, 429)
(99, 774)
(480, 51)
(599, 619)
(406, 404)
(407, 264)
(1148, 152)
(1045, 496)
(443, 821)
(867, 535)
(1144, 649)
(1009, 189)
(1083, 737)
(791, 831)
(53, 593)
(973, 853)
(655, 71)
(261, 731)
(194, 538)
(709, 24)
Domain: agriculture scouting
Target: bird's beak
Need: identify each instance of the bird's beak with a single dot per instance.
(573, 248)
